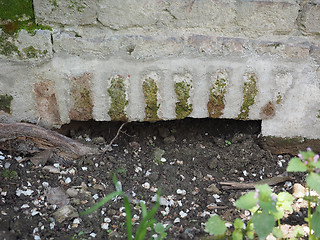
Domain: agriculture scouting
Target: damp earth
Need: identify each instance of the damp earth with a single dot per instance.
(186, 160)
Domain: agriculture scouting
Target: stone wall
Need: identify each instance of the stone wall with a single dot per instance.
(147, 60)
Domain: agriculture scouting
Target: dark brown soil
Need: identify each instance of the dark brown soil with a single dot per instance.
(192, 154)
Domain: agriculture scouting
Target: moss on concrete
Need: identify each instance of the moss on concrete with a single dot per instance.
(5, 103)
(16, 15)
(216, 102)
(117, 93)
(279, 98)
(150, 90)
(183, 108)
(249, 93)
(7, 48)
(31, 52)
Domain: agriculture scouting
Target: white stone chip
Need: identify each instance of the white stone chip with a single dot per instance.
(182, 214)
(177, 220)
(68, 180)
(181, 192)
(146, 185)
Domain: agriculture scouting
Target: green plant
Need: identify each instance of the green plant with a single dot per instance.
(227, 142)
(8, 174)
(308, 161)
(148, 220)
(268, 208)
(265, 208)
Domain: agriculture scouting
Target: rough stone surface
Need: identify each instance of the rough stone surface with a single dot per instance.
(238, 59)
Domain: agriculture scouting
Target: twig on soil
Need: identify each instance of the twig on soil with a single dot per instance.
(270, 182)
(109, 146)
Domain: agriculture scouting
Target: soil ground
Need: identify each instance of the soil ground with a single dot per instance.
(186, 159)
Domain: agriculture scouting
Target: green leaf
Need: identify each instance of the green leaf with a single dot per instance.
(313, 181)
(250, 234)
(296, 165)
(246, 201)
(237, 235)
(298, 232)
(238, 224)
(315, 223)
(215, 226)
(285, 201)
(102, 202)
(159, 228)
(263, 224)
(277, 232)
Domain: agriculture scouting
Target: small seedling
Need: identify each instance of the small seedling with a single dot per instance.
(228, 143)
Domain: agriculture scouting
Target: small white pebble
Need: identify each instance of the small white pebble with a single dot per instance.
(193, 179)
(76, 221)
(148, 173)
(84, 168)
(107, 220)
(25, 206)
(52, 225)
(177, 220)
(182, 214)
(181, 192)
(45, 184)
(9, 156)
(163, 160)
(95, 197)
(241, 179)
(36, 237)
(245, 173)
(93, 235)
(228, 225)
(105, 226)
(138, 169)
(2, 158)
(146, 185)
(215, 196)
(57, 165)
(96, 164)
(68, 180)
(7, 165)
(18, 158)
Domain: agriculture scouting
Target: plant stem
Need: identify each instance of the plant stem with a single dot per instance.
(279, 224)
(309, 213)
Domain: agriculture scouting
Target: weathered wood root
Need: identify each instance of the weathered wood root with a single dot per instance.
(32, 139)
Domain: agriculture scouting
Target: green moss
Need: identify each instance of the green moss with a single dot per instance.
(117, 93)
(16, 15)
(150, 90)
(78, 5)
(279, 98)
(216, 98)
(183, 108)
(31, 52)
(6, 47)
(249, 93)
(5, 103)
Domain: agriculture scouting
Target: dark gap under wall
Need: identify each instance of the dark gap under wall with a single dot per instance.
(223, 128)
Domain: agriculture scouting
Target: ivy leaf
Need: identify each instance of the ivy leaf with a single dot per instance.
(313, 181)
(296, 165)
(263, 224)
(215, 226)
(246, 201)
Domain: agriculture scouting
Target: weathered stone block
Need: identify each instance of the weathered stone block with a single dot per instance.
(46, 101)
(310, 18)
(67, 12)
(262, 17)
